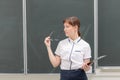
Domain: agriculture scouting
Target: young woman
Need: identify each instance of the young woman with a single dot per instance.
(72, 53)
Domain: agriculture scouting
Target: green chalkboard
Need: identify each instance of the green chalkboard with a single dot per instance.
(44, 16)
(109, 26)
(11, 41)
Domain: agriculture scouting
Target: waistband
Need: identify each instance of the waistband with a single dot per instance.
(72, 69)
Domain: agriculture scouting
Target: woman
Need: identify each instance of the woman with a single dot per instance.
(72, 53)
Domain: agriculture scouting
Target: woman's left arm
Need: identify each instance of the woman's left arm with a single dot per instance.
(85, 65)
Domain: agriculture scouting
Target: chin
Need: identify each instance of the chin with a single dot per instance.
(66, 35)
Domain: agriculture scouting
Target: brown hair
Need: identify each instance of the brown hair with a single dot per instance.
(73, 21)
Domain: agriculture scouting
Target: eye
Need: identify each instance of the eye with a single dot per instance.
(67, 26)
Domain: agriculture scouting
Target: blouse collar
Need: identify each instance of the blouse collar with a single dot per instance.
(74, 41)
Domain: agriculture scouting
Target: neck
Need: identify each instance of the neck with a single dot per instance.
(74, 37)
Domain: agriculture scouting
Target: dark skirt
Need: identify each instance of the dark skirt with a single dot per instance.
(73, 75)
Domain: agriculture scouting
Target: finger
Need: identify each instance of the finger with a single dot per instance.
(47, 39)
(85, 66)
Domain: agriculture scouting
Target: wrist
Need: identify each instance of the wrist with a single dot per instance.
(48, 47)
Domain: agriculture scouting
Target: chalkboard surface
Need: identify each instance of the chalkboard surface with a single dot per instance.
(11, 50)
(44, 16)
(109, 30)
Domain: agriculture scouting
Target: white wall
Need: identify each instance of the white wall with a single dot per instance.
(54, 77)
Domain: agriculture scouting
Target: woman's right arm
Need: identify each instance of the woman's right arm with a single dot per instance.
(54, 59)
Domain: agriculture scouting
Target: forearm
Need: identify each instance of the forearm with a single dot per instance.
(85, 66)
(53, 59)
(87, 60)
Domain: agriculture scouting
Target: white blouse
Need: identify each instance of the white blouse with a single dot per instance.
(72, 53)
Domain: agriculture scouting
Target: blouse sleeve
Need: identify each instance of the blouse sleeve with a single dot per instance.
(87, 52)
(58, 49)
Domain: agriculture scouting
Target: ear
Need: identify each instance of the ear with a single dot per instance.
(76, 27)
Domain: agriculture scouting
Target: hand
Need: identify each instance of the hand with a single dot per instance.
(47, 41)
(85, 67)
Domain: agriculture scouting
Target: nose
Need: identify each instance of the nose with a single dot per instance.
(64, 29)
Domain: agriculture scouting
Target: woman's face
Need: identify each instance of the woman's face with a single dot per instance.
(70, 30)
